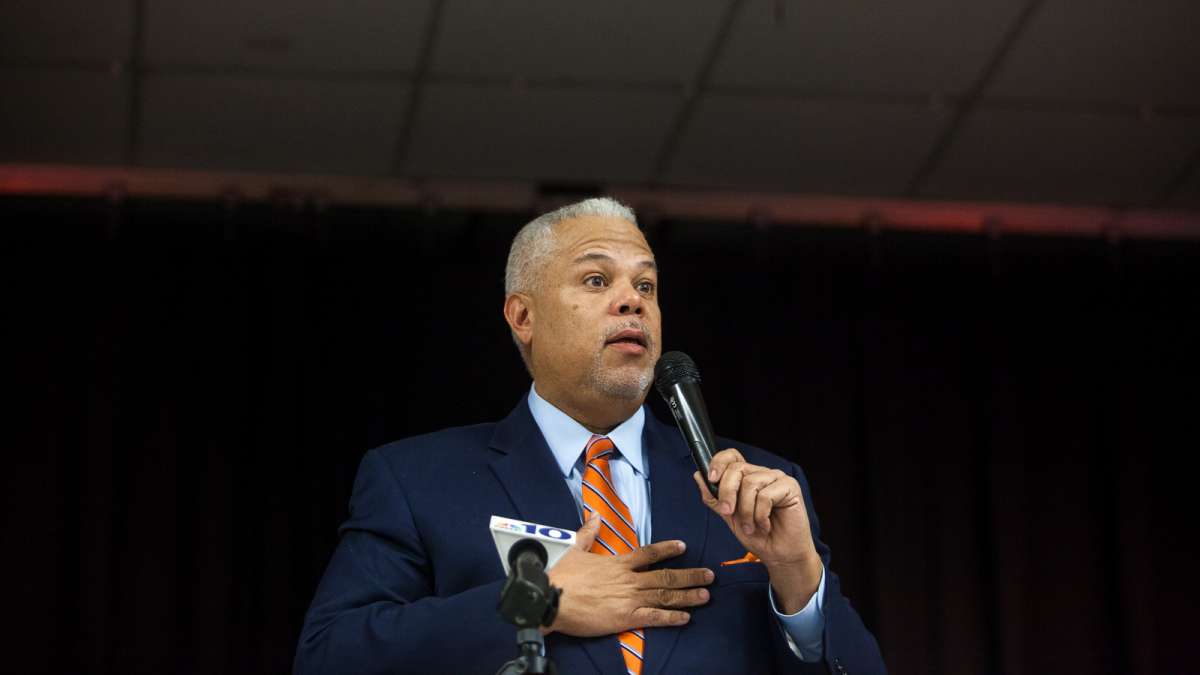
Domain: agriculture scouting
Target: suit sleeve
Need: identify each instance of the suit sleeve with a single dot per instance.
(849, 648)
(375, 610)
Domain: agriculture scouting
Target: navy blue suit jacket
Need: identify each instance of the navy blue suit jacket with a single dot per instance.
(413, 584)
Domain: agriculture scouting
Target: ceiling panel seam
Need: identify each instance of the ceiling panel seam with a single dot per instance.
(417, 88)
(90, 66)
(970, 98)
(692, 94)
(133, 73)
(305, 74)
(760, 92)
(1091, 106)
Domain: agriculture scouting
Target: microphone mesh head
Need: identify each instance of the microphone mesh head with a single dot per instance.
(673, 368)
(527, 544)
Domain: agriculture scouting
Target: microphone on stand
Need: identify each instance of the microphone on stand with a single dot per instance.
(528, 601)
(678, 380)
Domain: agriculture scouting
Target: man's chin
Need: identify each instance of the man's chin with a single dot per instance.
(626, 384)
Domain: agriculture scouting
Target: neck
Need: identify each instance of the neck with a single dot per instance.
(597, 413)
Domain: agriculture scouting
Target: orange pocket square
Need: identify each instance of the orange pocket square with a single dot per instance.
(748, 558)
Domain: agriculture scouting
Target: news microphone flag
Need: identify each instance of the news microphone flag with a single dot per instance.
(507, 531)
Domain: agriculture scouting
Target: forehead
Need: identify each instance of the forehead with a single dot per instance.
(614, 236)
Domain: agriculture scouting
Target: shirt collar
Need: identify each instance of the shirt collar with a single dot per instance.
(567, 438)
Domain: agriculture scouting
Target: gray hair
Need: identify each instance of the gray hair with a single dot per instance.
(535, 241)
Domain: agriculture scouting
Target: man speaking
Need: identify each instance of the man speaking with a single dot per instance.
(664, 578)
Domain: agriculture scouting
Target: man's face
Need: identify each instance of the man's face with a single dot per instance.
(597, 328)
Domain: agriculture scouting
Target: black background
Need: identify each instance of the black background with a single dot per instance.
(996, 429)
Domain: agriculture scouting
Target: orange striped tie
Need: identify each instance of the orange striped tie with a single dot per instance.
(617, 534)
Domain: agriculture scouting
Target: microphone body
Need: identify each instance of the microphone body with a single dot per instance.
(527, 598)
(678, 380)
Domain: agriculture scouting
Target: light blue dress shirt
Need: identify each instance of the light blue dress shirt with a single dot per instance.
(631, 478)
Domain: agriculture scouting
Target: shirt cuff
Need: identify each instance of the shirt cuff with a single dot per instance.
(804, 630)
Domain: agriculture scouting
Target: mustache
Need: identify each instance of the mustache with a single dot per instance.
(634, 324)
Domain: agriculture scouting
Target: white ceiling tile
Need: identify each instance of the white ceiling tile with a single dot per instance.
(618, 40)
(62, 116)
(838, 147)
(502, 132)
(62, 30)
(1142, 52)
(359, 35)
(271, 124)
(864, 46)
(1064, 157)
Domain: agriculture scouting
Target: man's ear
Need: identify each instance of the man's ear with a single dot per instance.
(518, 312)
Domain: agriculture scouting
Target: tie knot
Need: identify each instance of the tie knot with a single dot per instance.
(599, 447)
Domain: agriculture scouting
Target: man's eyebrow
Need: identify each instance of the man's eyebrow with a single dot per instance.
(604, 257)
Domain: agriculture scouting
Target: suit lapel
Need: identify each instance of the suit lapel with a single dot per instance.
(675, 513)
(527, 470)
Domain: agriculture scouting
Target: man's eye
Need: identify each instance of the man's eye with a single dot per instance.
(646, 287)
(595, 281)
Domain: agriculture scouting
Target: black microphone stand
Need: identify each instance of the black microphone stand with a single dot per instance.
(528, 601)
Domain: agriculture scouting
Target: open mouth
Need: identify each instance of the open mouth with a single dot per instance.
(629, 339)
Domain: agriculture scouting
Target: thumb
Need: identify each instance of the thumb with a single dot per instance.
(587, 534)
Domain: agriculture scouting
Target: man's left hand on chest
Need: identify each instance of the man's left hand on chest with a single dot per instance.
(764, 508)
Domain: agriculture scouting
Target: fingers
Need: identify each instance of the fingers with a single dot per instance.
(747, 493)
(674, 599)
(650, 617)
(586, 534)
(731, 485)
(675, 578)
(731, 468)
(767, 498)
(660, 605)
(721, 461)
(652, 553)
(749, 497)
(783, 493)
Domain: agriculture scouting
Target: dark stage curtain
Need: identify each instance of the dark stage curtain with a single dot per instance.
(996, 428)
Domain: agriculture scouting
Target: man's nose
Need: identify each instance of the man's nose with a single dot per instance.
(629, 301)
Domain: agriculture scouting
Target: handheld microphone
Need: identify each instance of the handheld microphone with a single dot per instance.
(678, 380)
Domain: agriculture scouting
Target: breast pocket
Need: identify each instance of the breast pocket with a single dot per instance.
(737, 601)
